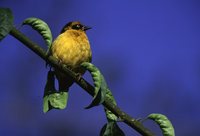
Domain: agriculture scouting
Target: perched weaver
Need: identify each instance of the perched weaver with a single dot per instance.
(71, 48)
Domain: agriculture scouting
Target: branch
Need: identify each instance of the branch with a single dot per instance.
(81, 82)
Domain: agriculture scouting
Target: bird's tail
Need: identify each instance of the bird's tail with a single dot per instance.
(64, 83)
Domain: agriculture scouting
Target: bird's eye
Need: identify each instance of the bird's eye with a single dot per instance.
(76, 27)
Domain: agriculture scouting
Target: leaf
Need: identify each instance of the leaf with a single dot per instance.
(111, 129)
(53, 99)
(46, 107)
(100, 96)
(96, 75)
(58, 100)
(164, 123)
(110, 116)
(6, 22)
(100, 85)
(41, 27)
(101, 90)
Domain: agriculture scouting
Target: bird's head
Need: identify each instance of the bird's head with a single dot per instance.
(75, 26)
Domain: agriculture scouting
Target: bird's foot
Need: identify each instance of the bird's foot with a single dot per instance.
(78, 76)
(60, 62)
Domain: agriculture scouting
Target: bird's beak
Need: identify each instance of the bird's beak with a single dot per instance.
(86, 28)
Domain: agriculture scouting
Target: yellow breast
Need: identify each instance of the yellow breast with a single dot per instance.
(72, 48)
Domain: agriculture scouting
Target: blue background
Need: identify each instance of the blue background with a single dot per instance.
(149, 52)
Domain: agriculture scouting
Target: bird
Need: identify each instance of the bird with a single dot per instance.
(71, 48)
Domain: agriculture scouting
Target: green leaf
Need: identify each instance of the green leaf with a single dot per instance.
(164, 123)
(96, 75)
(101, 90)
(46, 106)
(100, 96)
(110, 116)
(100, 85)
(57, 100)
(6, 22)
(41, 27)
(53, 99)
(111, 129)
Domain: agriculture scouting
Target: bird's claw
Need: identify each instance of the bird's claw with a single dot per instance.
(78, 76)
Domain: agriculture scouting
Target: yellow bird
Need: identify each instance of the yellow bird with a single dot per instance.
(71, 48)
